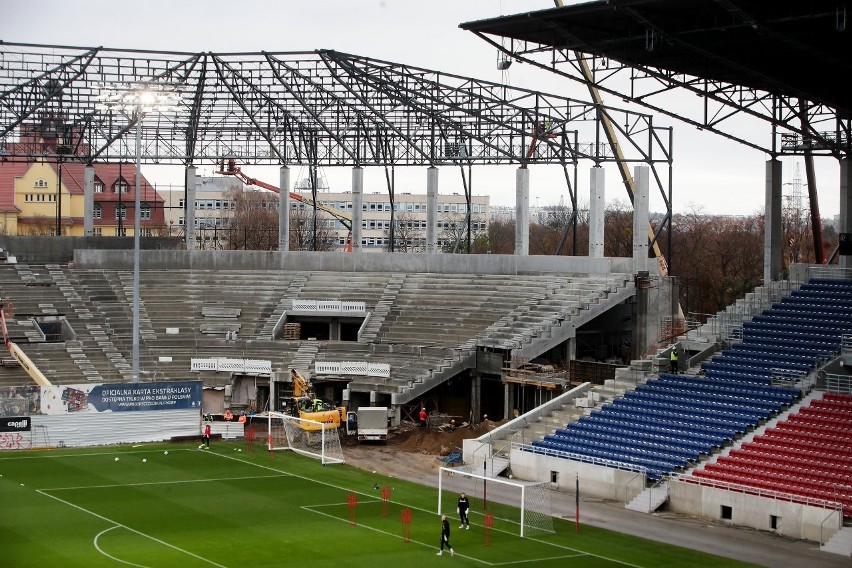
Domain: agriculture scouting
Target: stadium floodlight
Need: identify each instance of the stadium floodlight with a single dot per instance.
(137, 100)
(318, 440)
(526, 505)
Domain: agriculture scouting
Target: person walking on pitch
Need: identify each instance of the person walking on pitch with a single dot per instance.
(445, 536)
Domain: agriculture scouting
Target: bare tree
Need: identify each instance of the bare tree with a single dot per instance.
(452, 230)
(253, 223)
(500, 238)
(618, 235)
(305, 234)
(40, 226)
(408, 235)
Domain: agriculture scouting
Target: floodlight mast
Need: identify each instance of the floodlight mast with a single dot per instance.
(139, 99)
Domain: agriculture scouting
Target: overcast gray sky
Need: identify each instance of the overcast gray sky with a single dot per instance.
(710, 174)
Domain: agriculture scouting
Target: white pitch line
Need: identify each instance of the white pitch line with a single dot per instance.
(313, 480)
(134, 531)
(146, 483)
(110, 556)
(553, 544)
(396, 536)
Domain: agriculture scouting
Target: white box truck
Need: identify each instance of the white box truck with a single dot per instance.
(373, 424)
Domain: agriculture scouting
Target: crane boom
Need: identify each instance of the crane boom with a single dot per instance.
(21, 357)
(230, 168)
(612, 138)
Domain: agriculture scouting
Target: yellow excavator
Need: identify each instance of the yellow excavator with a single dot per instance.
(306, 405)
(21, 357)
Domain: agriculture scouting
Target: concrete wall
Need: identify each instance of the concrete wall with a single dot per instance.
(595, 481)
(105, 428)
(350, 262)
(794, 520)
(53, 250)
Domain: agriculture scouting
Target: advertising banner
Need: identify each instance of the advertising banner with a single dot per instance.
(65, 399)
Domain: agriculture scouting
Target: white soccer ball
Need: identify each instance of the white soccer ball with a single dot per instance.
(510, 476)
(116, 459)
(144, 460)
(166, 453)
(374, 471)
(200, 446)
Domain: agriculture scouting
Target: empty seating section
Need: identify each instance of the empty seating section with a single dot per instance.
(423, 321)
(671, 422)
(452, 309)
(791, 337)
(674, 420)
(808, 455)
(344, 287)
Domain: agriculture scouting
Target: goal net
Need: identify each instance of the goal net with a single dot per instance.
(514, 506)
(307, 437)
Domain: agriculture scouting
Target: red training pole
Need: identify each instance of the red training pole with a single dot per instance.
(353, 508)
(406, 525)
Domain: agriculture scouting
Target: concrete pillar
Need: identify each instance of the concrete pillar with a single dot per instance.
(89, 200)
(597, 210)
(772, 229)
(571, 348)
(432, 209)
(357, 206)
(189, 208)
(475, 397)
(640, 219)
(845, 220)
(508, 403)
(522, 212)
(284, 209)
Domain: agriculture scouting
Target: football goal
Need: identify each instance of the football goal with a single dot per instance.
(307, 437)
(511, 504)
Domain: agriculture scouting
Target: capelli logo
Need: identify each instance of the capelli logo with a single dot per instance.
(15, 424)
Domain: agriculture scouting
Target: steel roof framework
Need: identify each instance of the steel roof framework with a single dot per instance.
(324, 108)
(642, 54)
(314, 108)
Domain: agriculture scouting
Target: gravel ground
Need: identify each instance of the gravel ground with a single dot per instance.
(413, 454)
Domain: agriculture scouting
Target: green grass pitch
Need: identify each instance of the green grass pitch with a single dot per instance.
(232, 507)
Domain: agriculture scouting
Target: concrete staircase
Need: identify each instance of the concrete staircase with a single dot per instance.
(840, 543)
(650, 499)
(382, 309)
(492, 467)
(272, 322)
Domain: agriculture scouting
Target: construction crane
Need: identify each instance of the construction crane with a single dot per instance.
(21, 357)
(612, 138)
(230, 168)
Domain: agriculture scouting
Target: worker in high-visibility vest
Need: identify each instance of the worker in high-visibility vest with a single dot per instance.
(673, 361)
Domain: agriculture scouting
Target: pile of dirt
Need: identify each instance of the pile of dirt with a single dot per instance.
(436, 440)
(411, 452)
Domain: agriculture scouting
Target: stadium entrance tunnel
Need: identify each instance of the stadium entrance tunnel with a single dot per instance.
(320, 328)
(53, 328)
